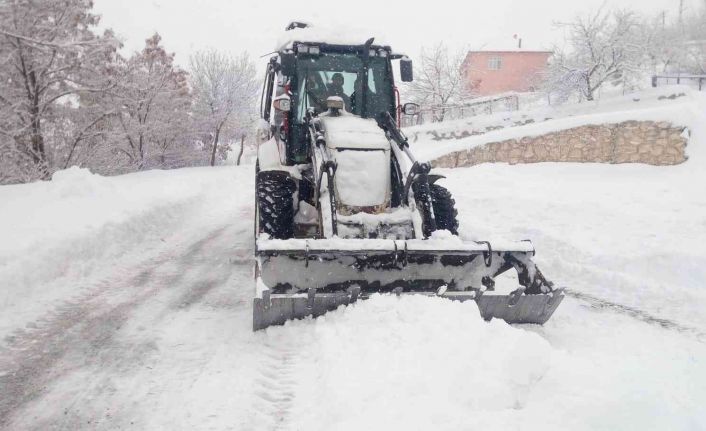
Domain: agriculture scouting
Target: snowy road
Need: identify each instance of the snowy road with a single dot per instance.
(161, 326)
(162, 340)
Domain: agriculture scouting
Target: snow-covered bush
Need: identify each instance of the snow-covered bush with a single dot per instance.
(603, 47)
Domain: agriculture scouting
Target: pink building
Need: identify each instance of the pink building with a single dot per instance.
(490, 72)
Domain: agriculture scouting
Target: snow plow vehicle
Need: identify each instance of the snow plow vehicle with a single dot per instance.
(344, 209)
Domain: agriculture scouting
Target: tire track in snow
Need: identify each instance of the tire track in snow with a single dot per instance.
(86, 327)
(601, 303)
(607, 277)
(274, 393)
(30, 362)
(274, 390)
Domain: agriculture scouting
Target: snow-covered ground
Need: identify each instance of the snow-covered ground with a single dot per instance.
(55, 235)
(125, 303)
(635, 233)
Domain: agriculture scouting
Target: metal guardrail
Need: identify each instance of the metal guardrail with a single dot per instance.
(678, 78)
(454, 112)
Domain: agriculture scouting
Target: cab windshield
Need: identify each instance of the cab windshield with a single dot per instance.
(341, 75)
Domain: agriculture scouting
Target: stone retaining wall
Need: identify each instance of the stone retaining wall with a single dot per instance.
(650, 142)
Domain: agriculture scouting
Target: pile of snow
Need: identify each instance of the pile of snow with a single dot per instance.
(80, 182)
(67, 227)
(427, 363)
(389, 357)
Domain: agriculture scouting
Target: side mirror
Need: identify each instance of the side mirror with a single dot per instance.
(288, 62)
(282, 103)
(410, 109)
(406, 72)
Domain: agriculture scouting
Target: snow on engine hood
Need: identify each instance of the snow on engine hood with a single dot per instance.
(362, 177)
(350, 131)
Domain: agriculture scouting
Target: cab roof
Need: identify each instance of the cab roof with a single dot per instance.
(329, 35)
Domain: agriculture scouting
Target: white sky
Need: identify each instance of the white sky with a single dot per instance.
(254, 26)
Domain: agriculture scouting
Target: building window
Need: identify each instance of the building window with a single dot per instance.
(495, 63)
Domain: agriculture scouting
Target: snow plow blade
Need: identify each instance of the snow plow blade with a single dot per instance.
(279, 308)
(299, 278)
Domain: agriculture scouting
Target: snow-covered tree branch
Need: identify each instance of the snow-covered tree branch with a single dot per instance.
(50, 58)
(624, 48)
(602, 47)
(152, 125)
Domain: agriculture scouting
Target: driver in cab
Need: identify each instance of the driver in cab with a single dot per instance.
(335, 88)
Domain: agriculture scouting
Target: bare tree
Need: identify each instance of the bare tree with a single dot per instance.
(695, 45)
(603, 47)
(50, 57)
(224, 90)
(664, 44)
(438, 81)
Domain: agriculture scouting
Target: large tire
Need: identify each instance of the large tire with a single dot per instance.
(275, 198)
(444, 209)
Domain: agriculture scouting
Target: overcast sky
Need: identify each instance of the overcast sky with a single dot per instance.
(234, 26)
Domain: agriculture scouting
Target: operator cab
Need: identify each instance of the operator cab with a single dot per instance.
(341, 74)
(307, 72)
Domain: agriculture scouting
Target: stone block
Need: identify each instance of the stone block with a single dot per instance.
(529, 156)
(574, 155)
(622, 158)
(515, 153)
(462, 158)
(555, 154)
(540, 150)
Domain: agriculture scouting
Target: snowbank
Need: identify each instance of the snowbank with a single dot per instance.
(67, 227)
